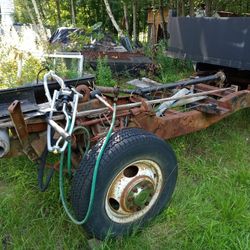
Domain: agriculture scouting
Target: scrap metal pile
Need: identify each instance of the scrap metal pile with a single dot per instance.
(121, 57)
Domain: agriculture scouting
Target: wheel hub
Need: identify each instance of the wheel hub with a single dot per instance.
(138, 194)
(133, 191)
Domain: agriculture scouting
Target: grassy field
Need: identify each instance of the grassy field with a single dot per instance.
(210, 208)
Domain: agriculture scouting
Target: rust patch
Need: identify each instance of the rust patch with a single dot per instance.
(84, 91)
(175, 123)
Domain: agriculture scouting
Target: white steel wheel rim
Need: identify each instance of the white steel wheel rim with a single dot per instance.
(134, 191)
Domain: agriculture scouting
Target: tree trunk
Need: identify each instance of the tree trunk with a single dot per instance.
(178, 7)
(182, 8)
(135, 37)
(73, 15)
(58, 10)
(39, 19)
(191, 7)
(103, 8)
(208, 7)
(154, 35)
(164, 29)
(171, 4)
(111, 16)
(41, 9)
(125, 10)
(32, 18)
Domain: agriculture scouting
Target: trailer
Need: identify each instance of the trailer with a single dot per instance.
(111, 141)
(215, 44)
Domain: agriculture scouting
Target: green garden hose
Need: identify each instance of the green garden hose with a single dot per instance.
(94, 178)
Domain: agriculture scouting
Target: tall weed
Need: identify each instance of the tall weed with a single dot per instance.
(104, 74)
(171, 69)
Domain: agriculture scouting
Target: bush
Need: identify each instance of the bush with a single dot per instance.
(104, 74)
(30, 67)
(9, 69)
(66, 68)
(15, 56)
(171, 69)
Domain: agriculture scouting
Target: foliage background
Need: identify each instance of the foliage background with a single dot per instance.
(89, 12)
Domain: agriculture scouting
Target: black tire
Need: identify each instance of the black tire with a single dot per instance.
(125, 147)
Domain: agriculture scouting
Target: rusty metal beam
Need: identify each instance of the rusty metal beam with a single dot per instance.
(139, 114)
(21, 129)
(175, 124)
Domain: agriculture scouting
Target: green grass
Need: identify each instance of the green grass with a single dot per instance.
(210, 208)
